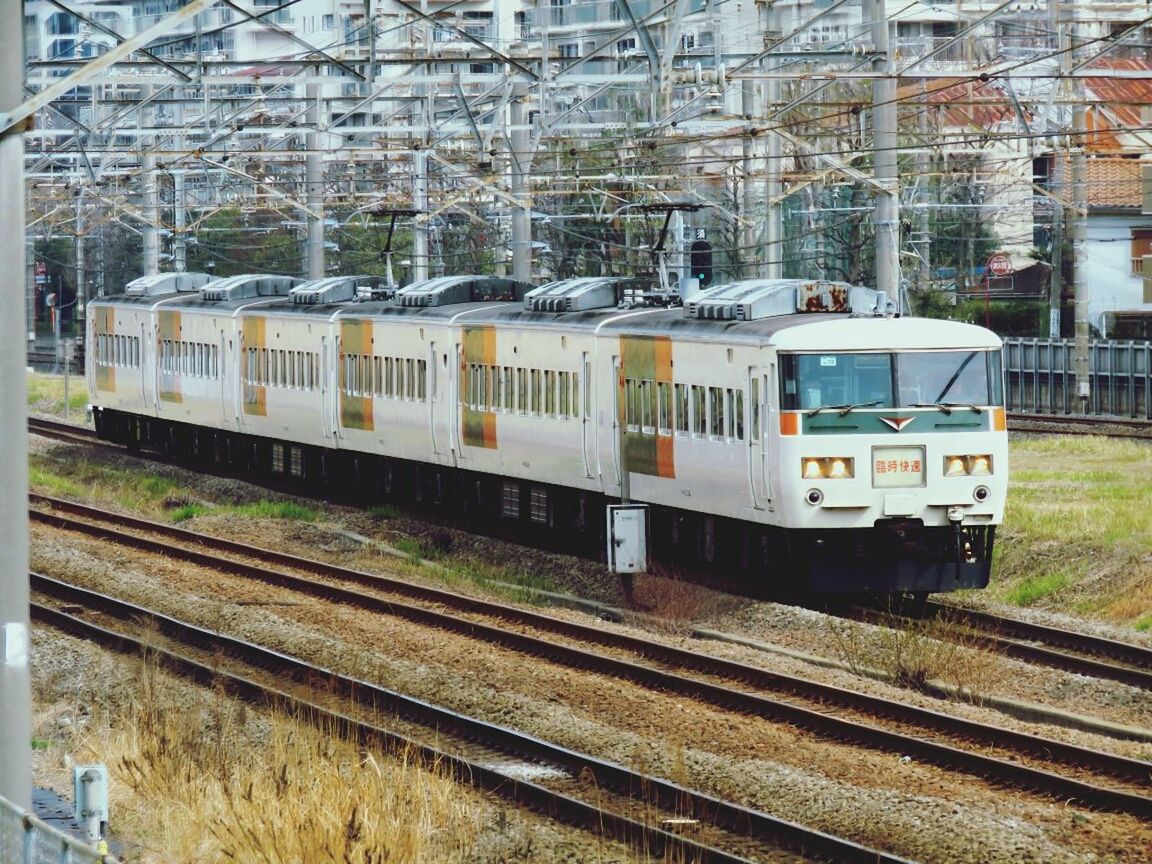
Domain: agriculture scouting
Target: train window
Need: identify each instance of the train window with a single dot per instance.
(522, 391)
(509, 389)
(996, 378)
(738, 415)
(498, 388)
(647, 406)
(534, 395)
(680, 408)
(716, 412)
(664, 407)
(630, 399)
(550, 393)
(486, 388)
(699, 411)
(935, 377)
(421, 380)
(565, 394)
(810, 381)
(576, 396)
(409, 379)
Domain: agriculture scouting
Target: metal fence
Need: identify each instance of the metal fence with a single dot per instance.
(1041, 377)
(24, 839)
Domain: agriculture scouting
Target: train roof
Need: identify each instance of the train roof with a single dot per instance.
(788, 314)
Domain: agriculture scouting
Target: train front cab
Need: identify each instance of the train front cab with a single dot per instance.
(892, 467)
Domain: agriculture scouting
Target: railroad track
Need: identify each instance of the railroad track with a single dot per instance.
(1068, 650)
(1080, 424)
(1094, 778)
(65, 432)
(630, 806)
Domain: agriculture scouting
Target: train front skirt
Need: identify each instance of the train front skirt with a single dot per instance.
(896, 556)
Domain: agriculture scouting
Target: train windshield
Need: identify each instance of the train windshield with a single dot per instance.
(899, 380)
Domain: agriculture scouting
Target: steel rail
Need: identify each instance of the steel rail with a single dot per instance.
(1138, 660)
(732, 818)
(817, 720)
(65, 432)
(1005, 635)
(1080, 424)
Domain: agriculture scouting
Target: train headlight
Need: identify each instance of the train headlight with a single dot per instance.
(828, 467)
(954, 466)
(968, 466)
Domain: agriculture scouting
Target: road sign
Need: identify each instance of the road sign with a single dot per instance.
(1000, 265)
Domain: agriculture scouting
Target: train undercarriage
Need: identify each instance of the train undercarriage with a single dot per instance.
(894, 557)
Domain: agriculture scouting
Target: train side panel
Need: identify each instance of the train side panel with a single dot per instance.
(677, 420)
(523, 406)
(121, 360)
(391, 379)
(281, 389)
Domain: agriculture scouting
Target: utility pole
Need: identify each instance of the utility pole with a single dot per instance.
(81, 298)
(923, 242)
(151, 213)
(774, 164)
(518, 165)
(314, 187)
(150, 237)
(886, 216)
(1080, 223)
(15, 679)
(420, 165)
(1056, 188)
(749, 254)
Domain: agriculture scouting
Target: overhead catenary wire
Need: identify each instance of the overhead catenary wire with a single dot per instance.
(681, 141)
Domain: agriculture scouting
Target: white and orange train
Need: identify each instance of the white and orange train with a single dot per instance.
(796, 430)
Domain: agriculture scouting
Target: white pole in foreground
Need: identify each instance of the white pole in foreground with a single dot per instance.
(15, 679)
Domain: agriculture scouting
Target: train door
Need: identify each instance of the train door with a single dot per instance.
(329, 378)
(432, 393)
(145, 355)
(757, 464)
(150, 382)
(220, 369)
(769, 425)
(583, 409)
(617, 427)
(452, 397)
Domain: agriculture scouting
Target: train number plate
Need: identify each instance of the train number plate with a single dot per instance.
(897, 467)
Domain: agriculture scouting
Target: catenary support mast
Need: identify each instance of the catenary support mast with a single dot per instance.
(15, 680)
(887, 213)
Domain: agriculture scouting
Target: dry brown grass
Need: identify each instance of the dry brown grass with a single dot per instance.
(209, 780)
(918, 655)
(680, 605)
